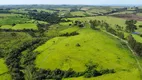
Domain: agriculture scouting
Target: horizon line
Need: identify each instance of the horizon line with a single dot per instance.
(80, 4)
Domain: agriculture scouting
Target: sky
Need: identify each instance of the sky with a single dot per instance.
(87, 2)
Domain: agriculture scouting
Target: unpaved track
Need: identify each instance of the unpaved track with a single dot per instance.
(134, 53)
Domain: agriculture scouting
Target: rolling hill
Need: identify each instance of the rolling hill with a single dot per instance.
(91, 47)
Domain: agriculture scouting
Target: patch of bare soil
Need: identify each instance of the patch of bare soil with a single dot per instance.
(129, 16)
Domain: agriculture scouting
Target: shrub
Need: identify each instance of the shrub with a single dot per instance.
(78, 45)
(13, 24)
(140, 26)
(70, 34)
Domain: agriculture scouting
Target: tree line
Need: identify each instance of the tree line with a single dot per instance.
(14, 57)
(136, 46)
(45, 16)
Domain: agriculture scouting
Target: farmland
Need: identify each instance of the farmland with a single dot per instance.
(70, 42)
(20, 26)
(4, 74)
(65, 60)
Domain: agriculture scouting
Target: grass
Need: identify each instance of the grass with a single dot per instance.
(6, 27)
(137, 38)
(18, 11)
(78, 13)
(139, 30)
(13, 20)
(7, 14)
(54, 30)
(111, 20)
(95, 46)
(46, 10)
(20, 26)
(139, 14)
(25, 26)
(124, 12)
(98, 10)
(9, 42)
(123, 75)
(3, 69)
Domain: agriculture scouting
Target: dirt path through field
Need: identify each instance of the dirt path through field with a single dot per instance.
(134, 53)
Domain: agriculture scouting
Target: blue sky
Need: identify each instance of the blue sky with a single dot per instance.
(91, 2)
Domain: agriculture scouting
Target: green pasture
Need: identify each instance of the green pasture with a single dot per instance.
(78, 13)
(25, 26)
(95, 47)
(7, 15)
(12, 40)
(137, 38)
(4, 74)
(20, 26)
(123, 75)
(13, 20)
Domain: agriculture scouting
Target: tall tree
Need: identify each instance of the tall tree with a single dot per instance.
(130, 25)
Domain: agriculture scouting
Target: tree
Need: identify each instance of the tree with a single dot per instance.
(111, 30)
(45, 16)
(13, 24)
(130, 25)
(120, 35)
(140, 26)
(13, 34)
(95, 23)
(119, 28)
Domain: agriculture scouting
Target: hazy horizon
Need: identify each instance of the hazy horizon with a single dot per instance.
(72, 2)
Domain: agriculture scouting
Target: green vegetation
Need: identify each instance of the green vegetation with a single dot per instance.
(25, 26)
(63, 52)
(11, 41)
(6, 27)
(110, 20)
(78, 13)
(7, 15)
(70, 42)
(123, 75)
(4, 73)
(20, 26)
(12, 20)
(138, 38)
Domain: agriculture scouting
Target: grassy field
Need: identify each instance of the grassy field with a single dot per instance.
(7, 15)
(13, 20)
(46, 10)
(25, 26)
(12, 40)
(78, 13)
(69, 46)
(18, 11)
(137, 38)
(6, 27)
(95, 47)
(98, 10)
(124, 12)
(20, 26)
(54, 30)
(3, 70)
(123, 75)
(139, 14)
(111, 20)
